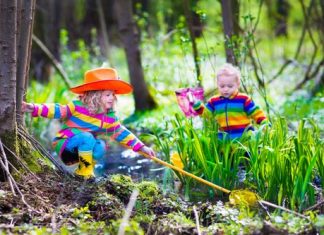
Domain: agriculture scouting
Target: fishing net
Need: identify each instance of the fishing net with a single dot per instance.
(243, 197)
(186, 98)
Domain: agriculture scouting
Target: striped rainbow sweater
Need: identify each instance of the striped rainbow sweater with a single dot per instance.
(232, 114)
(77, 119)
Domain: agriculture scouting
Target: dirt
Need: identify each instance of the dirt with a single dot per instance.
(52, 203)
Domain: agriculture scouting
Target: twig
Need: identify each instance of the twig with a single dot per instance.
(308, 77)
(43, 152)
(300, 43)
(319, 204)
(262, 202)
(20, 161)
(12, 179)
(258, 17)
(5, 167)
(197, 220)
(309, 67)
(129, 208)
(283, 67)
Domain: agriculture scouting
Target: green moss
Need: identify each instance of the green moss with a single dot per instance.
(122, 179)
(174, 223)
(120, 185)
(148, 190)
(106, 207)
(131, 228)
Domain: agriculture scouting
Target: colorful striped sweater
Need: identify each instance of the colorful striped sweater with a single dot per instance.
(232, 114)
(77, 119)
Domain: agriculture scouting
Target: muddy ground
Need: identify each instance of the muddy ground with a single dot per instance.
(52, 203)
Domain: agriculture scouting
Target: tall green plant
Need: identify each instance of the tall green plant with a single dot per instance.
(283, 164)
(280, 164)
(202, 153)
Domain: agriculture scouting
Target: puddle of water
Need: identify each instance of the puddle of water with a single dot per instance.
(128, 162)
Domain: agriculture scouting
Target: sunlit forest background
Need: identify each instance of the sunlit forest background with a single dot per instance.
(277, 44)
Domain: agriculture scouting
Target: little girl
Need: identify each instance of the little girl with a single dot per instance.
(87, 118)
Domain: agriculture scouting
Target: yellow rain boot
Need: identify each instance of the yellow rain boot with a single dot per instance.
(86, 164)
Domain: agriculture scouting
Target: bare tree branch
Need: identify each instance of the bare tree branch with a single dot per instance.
(54, 61)
(300, 43)
(307, 76)
(310, 76)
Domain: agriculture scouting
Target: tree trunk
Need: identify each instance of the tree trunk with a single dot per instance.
(130, 38)
(8, 72)
(24, 41)
(230, 15)
(16, 18)
(281, 18)
(189, 20)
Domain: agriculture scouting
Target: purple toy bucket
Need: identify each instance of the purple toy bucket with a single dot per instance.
(186, 97)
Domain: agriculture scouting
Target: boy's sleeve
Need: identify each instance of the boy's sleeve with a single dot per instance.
(126, 138)
(254, 112)
(204, 110)
(55, 110)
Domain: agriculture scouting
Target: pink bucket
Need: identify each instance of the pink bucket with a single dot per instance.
(186, 98)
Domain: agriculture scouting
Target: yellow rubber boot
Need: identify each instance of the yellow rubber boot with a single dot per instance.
(86, 164)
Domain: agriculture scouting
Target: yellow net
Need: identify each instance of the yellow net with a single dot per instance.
(243, 197)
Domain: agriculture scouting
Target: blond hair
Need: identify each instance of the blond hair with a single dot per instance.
(229, 70)
(92, 101)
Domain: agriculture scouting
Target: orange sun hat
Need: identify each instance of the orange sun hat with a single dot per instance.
(102, 79)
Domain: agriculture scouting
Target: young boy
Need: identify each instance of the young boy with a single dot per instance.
(232, 110)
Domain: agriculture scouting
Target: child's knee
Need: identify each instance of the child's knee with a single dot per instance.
(99, 150)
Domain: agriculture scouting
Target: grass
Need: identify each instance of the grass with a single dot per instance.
(280, 164)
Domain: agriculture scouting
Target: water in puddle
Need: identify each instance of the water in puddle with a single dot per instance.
(128, 162)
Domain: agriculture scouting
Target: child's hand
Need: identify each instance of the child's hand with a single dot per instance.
(147, 151)
(27, 107)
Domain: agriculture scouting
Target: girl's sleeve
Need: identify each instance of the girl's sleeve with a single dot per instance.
(126, 138)
(55, 110)
(254, 112)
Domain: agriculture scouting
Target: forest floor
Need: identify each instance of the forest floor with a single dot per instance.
(52, 203)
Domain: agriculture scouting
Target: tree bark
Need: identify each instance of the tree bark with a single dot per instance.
(8, 70)
(130, 38)
(15, 42)
(230, 15)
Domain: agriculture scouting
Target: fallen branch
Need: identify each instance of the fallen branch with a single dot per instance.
(317, 205)
(265, 203)
(197, 220)
(128, 211)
